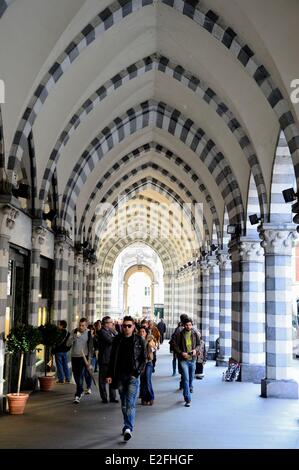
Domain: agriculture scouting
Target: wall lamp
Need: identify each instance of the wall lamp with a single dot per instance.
(289, 195)
(233, 229)
(22, 190)
(254, 219)
(51, 215)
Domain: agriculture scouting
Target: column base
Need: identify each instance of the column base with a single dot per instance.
(222, 361)
(279, 389)
(253, 373)
(212, 354)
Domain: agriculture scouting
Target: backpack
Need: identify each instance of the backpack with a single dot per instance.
(233, 371)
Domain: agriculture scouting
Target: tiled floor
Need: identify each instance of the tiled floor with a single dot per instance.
(222, 415)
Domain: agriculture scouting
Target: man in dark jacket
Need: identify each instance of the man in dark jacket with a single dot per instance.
(128, 358)
(105, 337)
(186, 345)
(162, 330)
(60, 351)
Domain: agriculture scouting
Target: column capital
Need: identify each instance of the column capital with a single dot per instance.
(212, 261)
(38, 237)
(204, 266)
(251, 250)
(224, 259)
(278, 239)
(8, 215)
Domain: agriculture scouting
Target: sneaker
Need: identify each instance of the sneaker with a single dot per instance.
(59, 382)
(187, 404)
(77, 400)
(88, 391)
(67, 381)
(127, 434)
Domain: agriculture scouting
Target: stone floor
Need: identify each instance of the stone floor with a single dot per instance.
(222, 415)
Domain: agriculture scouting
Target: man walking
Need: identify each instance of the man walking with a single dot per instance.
(162, 330)
(81, 341)
(128, 358)
(60, 351)
(186, 345)
(105, 338)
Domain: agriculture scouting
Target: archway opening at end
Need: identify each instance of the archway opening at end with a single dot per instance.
(137, 283)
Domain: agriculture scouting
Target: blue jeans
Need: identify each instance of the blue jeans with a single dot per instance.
(128, 392)
(188, 371)
(63, 371)
(146, 387)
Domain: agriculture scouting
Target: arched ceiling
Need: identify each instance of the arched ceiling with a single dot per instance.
(115, 93)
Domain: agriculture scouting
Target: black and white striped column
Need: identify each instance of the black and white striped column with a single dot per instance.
(205, 306)
(107, 284)
(225, 315)
(197, 296)
(78, 260)
(98, 293)
(85, 289)
(8, 215)
(38, 239)
(62, 253)
(248, 308)
(278, 244)
(168, 314)
(91, 313)
(213, 305)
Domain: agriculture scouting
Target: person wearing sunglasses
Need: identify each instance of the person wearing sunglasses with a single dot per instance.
(127, 360)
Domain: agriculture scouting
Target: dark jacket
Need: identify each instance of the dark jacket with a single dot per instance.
(139, 356)
(179, 343)
(161, 327)
(61, 346)
(105, 338)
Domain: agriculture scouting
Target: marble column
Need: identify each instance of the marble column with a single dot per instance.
(225, 315)
(278, 243)
(213, 306)
(205, 306)
(248, 308)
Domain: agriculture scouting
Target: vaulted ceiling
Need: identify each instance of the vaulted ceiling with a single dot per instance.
(190, 94)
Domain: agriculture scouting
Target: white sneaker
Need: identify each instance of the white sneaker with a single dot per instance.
(127, 434)
(77, 400)
(88, 391)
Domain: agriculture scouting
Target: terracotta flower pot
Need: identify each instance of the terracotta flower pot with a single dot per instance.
(17, 402)
(46, 383)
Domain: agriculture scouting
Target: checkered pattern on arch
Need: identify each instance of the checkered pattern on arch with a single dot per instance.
(205, 18)
(186, 78)
(153, 114)
(168, 155)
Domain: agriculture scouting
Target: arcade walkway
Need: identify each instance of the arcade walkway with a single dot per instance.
(222, 415)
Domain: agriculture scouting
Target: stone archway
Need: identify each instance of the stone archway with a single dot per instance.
(139, 269)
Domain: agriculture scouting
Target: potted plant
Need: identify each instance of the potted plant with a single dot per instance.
(50, 335)
(21, 339)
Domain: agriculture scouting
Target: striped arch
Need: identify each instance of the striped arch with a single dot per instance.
(252, 208)
(283, 177)
(3, 6)
(139, 212)
(2, 148)
(173, 179)
(153, 114)
(177, 72)
(140, 186)
(204, 18)
(225, 237)
(108, 256)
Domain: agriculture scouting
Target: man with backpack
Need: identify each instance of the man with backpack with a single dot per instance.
(186, 346)
(82, 343)
(61, 349)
